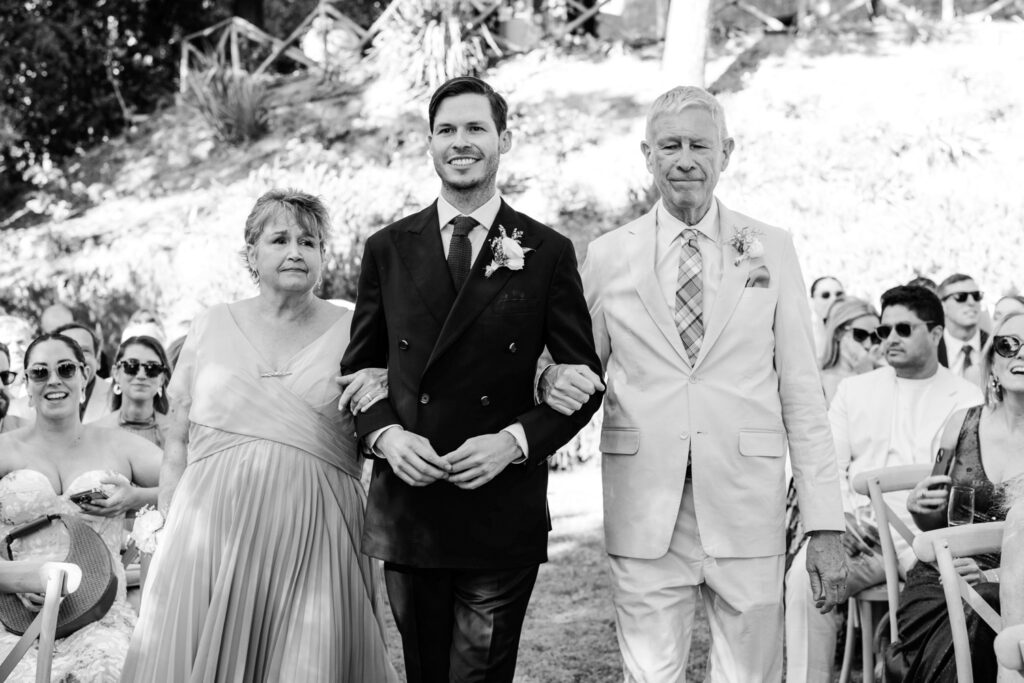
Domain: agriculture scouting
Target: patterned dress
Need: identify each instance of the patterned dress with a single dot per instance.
(96, 652)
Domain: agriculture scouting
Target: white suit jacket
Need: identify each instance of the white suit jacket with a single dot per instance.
(754, 387)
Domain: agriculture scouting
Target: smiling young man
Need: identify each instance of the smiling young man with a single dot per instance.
(457, 301)
(891, 416)
(963, 338)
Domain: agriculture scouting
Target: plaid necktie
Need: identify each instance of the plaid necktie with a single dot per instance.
(460, 250)
(688, 317)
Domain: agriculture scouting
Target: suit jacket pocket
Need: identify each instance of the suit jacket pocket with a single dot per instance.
(762, 443)
(620, 441)
(516, 306)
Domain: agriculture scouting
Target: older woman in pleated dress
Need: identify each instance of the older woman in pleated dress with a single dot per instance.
(258, 574)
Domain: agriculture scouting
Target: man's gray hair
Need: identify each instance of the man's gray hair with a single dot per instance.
(683, 96)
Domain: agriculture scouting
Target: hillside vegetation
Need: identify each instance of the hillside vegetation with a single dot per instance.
(884, 156)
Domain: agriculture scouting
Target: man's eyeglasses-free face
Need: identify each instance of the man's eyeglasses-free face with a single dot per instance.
(131, 368)
(903, 330)
(41, 373)
(1007, 345)
(961, 297)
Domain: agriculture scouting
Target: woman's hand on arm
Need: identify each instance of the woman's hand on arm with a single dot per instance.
(362, 389)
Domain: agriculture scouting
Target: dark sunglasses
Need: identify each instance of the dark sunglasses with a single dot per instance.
(131, 367)
(860, 335)
(961, 297)
(1007, 345)
(7, 377)
(40, 373)
(903, 330)
(828, 295)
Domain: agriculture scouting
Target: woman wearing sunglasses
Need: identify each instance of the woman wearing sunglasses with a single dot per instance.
(139, 393)
(43, 467)
(852, 346)
(8, 423)
(987, 443)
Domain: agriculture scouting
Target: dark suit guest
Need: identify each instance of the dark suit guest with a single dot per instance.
(458, 301)
(963, 337)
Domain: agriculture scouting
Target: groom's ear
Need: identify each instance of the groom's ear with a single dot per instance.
(505, 141)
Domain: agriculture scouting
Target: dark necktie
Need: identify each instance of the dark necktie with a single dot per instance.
(460, 250)
(968, 361)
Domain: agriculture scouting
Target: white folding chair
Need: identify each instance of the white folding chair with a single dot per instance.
(940, 546)
(874, 484)
(54, 580)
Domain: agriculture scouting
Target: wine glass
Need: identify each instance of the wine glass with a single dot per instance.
(961, 505)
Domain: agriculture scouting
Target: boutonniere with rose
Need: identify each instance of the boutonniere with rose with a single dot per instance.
(747, 242)
(508, 251)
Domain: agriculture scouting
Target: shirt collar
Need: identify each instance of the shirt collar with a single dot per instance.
(484, 214)
(953, 345)
(707, 226)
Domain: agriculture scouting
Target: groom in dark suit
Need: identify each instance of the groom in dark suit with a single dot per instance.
(458, 301)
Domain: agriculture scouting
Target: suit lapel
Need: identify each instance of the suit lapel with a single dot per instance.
(419, 246)
(734, 277)
(479, 290)
(640, 256)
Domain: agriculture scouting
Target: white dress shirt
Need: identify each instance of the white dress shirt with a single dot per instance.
(955, 353)
(485, 216)
(669, 243)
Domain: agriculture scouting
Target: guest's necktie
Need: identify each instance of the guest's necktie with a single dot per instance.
(689, 301)
(968, 362)
(460, 250)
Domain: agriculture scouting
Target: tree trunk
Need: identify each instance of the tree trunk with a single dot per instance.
(250, 10)
(686, 42)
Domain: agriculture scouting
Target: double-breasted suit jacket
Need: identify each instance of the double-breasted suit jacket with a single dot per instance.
(462, 364)
(753, 389)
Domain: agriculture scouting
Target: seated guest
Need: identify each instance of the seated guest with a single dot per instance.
(7, 376)
(139, 400)
(963, 337)
(926, 282)
(890, 416)
(98, 391)
(16, 333)
(825, 291)
(1011, 303)
(144, 323)
(41, 467)
(988, 451)
(852, 345)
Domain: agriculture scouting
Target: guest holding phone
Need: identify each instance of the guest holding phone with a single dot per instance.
(138, 394)
(43, 468)
(987, 445)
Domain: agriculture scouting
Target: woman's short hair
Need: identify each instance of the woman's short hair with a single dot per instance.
(840, 315)
(76, 350)
(923, 303)
(160, 402)
(993, 393)
(307, 210)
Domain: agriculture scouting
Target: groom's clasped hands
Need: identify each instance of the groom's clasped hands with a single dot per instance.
(471, 465)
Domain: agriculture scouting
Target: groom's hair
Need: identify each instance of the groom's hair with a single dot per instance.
(923, 302)
(469, 85)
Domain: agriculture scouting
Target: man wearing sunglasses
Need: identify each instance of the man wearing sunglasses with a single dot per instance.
(963, 338)
(98, 391)
(890, 416)
(7, 376)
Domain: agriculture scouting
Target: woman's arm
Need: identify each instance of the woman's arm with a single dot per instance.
(175, 453)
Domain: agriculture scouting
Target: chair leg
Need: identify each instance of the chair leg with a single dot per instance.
(851, 633)
(867, 654)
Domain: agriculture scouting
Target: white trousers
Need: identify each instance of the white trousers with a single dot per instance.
(656, 600)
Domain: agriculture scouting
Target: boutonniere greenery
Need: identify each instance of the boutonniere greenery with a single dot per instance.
(508, 251)
(746, 241)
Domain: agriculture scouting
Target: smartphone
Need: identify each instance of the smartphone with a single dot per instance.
(90, 496)
(944, 463)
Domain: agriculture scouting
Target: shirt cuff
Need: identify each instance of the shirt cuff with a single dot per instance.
(519, 434)
(370, 440)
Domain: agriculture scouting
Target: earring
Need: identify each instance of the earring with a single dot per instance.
(116, 389)
(160, 391)
(996, 387)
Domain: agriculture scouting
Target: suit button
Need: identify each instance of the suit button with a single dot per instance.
(403, 344)
(485, 401)
(512, 348)
(694, 379)
(424, 399)
(684, 436)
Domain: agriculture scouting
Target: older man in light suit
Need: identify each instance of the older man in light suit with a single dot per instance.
(704, 332)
